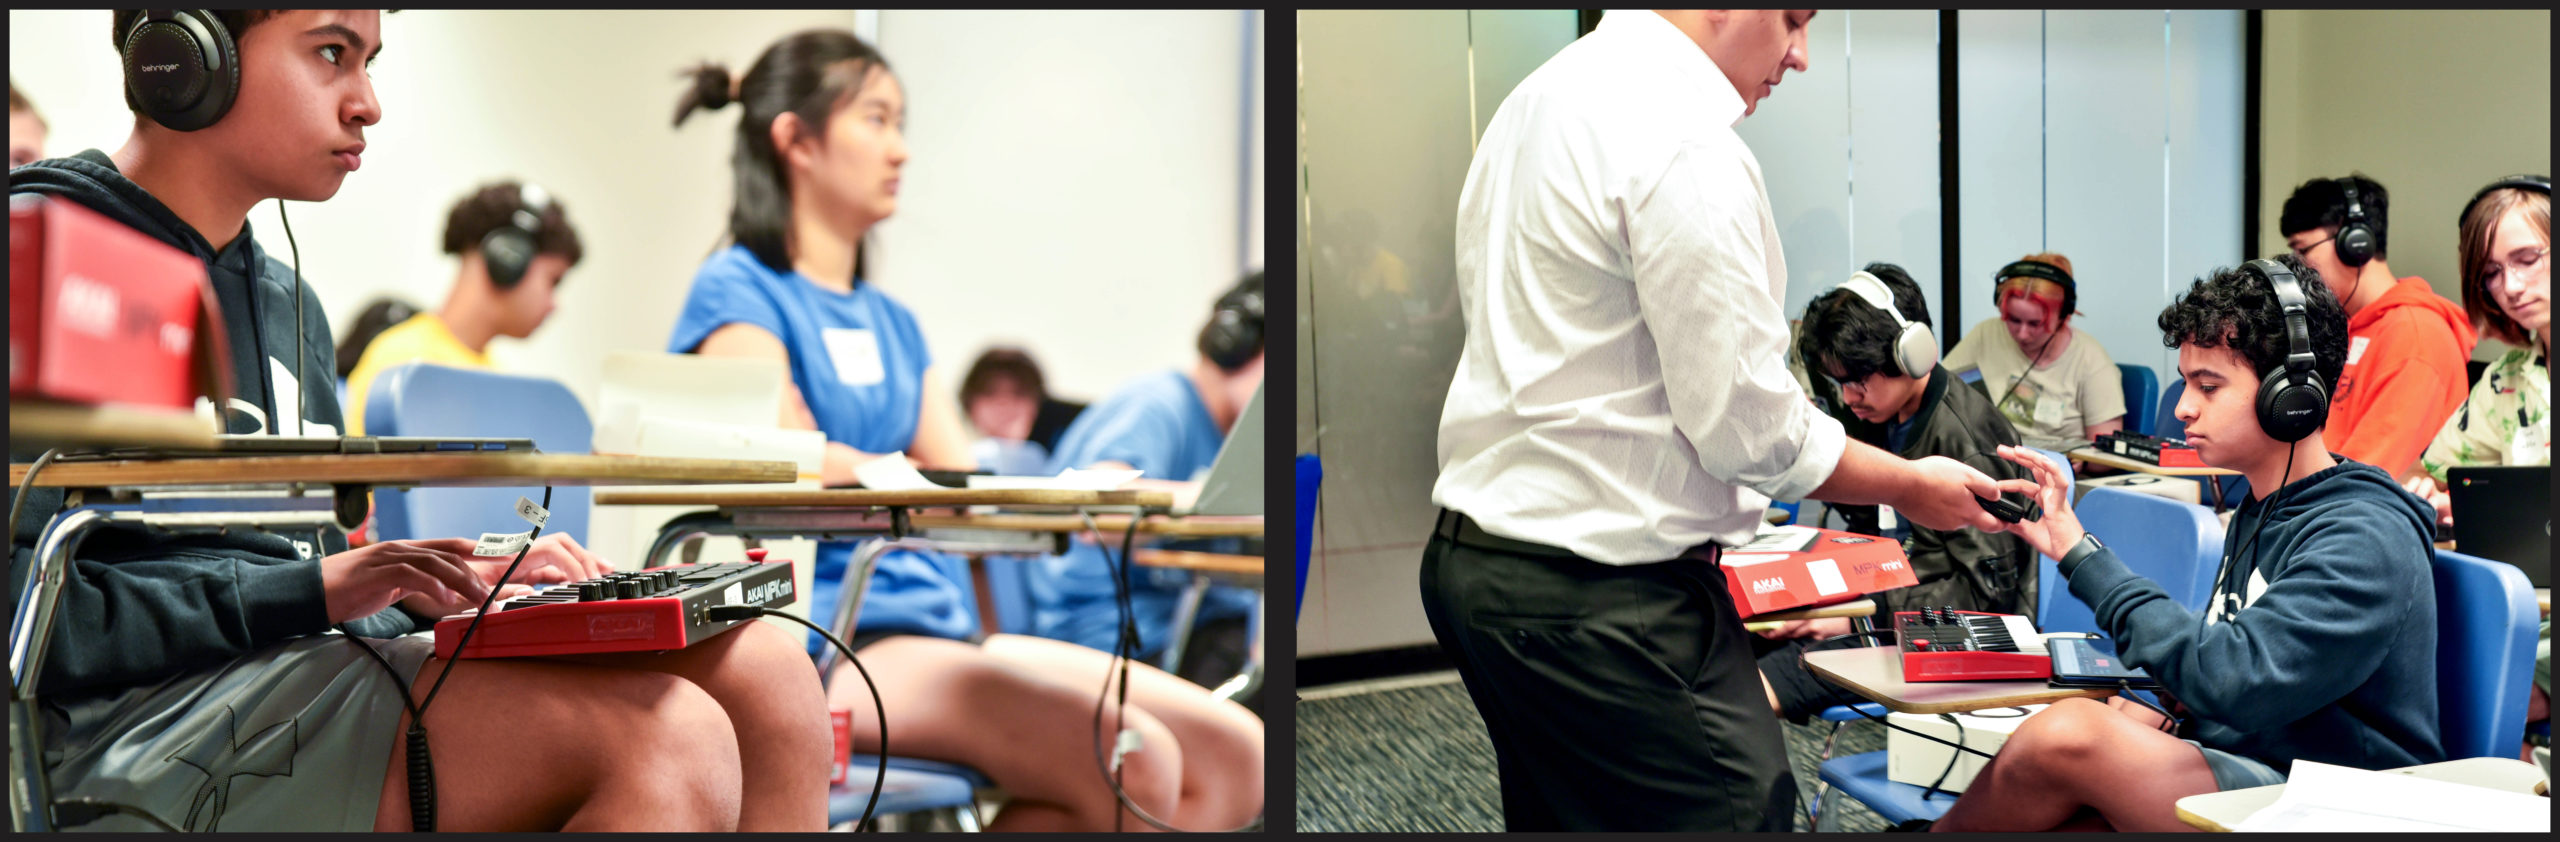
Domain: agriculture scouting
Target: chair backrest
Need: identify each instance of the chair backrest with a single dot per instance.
(422, 399)
(2486, 627)
(2166, 425)
(1310, 475)
(2173, 543)
(1009, 588)
(2141, 398)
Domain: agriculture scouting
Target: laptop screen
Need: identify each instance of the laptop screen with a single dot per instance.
(1234, 485)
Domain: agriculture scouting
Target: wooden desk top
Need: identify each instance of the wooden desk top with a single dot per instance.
(1876, 673)
(1178, 527)
(411, 469)
(2094, 456)
(2221, 811)
(1211, 562)
(37, 423)
(855, 497)
(1852, 608)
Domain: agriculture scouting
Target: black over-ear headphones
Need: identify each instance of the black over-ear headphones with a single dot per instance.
(2292, 401)
(2043, 270)
(2518, 182)
(181, 67)
(1234, 332)
(508, 250)
(2355, 242)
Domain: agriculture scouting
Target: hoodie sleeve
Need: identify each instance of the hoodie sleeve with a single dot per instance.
(126, 622)
(2411, 382)
(2292, 651)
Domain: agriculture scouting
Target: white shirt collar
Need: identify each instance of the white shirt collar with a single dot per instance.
(1645, 30)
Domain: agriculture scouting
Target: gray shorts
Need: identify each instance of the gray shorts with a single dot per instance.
(296, 736)
(2232, 771)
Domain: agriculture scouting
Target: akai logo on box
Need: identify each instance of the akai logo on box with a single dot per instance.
(1832, 567)
(100, 313)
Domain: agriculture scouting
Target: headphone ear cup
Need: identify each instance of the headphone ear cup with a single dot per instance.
(1916, 350)
(506, 251)
(2355, 244)
(182, 71)
(2290, 410)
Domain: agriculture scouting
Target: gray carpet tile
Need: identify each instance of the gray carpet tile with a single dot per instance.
(1417, 760)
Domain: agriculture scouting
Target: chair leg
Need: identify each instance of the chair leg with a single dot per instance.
(967, 817)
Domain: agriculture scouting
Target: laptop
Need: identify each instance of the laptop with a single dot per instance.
(2504, 514)
(1234, 484)
(260, 445)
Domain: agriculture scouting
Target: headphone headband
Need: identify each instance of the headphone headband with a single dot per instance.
(2035, 269)
(2521, 181)
(1872, 289)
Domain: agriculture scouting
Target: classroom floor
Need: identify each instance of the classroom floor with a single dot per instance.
(1414, 758)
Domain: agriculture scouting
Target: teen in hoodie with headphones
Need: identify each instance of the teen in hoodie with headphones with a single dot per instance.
(223, 681)
(2318, 639)
(818, 157)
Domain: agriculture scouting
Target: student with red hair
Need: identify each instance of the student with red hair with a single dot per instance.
(2072, 393)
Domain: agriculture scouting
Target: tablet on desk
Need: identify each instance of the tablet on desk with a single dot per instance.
(2092, 662)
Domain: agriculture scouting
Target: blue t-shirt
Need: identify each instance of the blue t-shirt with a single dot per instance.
(1159, 425)
(858, 360)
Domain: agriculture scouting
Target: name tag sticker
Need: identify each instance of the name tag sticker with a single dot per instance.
(532, 512)
(856, 354)
(2355, 348)
(494, 544)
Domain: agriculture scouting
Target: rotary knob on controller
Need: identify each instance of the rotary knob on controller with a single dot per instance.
(756, 555)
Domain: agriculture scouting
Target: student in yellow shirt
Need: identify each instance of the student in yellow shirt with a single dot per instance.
(514, 244)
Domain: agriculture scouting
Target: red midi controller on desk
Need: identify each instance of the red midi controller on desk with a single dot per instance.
(1943, 644)
(640, 611)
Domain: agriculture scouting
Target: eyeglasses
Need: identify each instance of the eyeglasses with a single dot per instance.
(2496, 271)
(1844, 387)
(2304, 252)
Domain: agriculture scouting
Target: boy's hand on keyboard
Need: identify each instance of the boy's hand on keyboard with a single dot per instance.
(362, 582)
(556, 558)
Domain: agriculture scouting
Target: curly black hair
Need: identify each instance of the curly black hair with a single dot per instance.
(2231, 307)
(1841, 328)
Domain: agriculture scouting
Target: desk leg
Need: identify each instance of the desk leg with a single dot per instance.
(1245, 681)
(682, 528)
(857, 582)
(1185, 614)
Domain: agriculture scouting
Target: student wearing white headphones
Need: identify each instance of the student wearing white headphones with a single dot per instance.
(1871, 337)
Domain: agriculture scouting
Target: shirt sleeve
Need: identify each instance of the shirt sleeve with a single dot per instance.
(724, 293)
(1122, 431)
(124, 622)
(1701, 280)
(1967, 353)
(2312, 636)
(2101, 387)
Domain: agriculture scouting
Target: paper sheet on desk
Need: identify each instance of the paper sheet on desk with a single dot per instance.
(2319, 797)
(894, 473)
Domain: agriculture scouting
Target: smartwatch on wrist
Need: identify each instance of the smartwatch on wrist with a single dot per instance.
(2071, 558)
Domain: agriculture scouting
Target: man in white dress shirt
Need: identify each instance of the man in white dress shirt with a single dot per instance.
(1623, 406)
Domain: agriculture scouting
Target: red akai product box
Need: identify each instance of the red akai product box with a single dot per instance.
(1786, 568)
(100, 313)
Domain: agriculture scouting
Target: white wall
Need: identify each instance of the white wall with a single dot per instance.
(1074, 183)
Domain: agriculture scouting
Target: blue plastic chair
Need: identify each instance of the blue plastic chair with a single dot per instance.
(2486, 628)
(911, 786)
(422, 399)
(2173, 543)
(1310, 475)
(2141, 397)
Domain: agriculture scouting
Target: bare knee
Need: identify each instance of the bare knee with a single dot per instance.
(679, 751)
(2067, 735)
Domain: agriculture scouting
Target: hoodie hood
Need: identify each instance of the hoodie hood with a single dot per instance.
(2413, 297)
(255, 294)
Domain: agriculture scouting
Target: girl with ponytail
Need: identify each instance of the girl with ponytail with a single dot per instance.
(816, 165)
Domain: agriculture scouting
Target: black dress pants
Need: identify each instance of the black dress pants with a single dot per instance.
(1618, 697)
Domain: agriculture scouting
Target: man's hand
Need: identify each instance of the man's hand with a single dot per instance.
(2425, 488)
(1817, 629)
(2059, 528)
(1948, 495)
(361, 582)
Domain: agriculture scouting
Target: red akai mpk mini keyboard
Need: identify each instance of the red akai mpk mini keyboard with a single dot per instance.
(637, 611)
(1944, 644)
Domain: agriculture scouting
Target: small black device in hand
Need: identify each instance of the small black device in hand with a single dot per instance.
(2001, 507)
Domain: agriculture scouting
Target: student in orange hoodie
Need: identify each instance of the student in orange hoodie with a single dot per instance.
(2406, 344)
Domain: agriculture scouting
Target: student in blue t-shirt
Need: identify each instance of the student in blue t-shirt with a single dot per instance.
(817, 164)
(1169, 424)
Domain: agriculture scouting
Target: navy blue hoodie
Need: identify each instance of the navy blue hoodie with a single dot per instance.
(2332, 658)
(137, 606)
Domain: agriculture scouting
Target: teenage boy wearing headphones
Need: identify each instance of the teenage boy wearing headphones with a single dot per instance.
(2318, 641)
(1870, 337)
(214, 681)
(2406, 346)
(514, 243)
(1171, 425)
